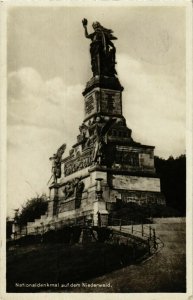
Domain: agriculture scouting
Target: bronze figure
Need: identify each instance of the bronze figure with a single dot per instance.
(102, 49)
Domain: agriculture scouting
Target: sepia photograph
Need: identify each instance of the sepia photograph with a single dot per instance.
(98, 158)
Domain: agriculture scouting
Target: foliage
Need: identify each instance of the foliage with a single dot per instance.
(172, 173)
(173, 181)
(32, 210)
(129, 211)
(135, 213)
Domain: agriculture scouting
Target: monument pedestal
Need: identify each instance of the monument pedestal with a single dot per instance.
(105, 164)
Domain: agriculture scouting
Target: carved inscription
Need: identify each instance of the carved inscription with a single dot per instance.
(124, 156)
(129, 197)
(66, 206)
(143, 197)
(90, 105)
(110, 102)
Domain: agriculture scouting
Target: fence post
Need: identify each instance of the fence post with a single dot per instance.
(142, 229)
(149, 249)
(154, 238)
(132, 228)
(120, 224)
(150, 232)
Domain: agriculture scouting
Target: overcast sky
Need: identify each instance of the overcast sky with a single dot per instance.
(49, 64)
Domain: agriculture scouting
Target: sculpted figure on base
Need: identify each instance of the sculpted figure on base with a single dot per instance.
(99, 154)
(56, 163)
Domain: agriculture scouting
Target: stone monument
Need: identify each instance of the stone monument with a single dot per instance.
(105, 164)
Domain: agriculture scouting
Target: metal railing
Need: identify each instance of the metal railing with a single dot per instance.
(52, 225)
(145, 232)
(139, 235)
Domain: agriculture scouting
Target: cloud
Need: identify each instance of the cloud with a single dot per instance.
(154, 106)
(42, 115)
(43, 104)
(23, 82)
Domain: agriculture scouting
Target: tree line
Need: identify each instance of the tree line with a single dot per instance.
(172, 172)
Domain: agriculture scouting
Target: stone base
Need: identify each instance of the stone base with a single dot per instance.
(141, 189)
(103, 82)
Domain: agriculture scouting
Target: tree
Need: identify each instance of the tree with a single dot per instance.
(173, 181)
(9, 224)
(32, 210)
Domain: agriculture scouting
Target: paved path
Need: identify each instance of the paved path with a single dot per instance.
(163, 272)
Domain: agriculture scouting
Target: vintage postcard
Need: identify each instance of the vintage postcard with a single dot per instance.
(96, 149)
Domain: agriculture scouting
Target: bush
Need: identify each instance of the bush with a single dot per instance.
(135, 213)
(103, 233)
(32, 210)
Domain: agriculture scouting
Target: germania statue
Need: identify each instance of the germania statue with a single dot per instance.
(102, 49)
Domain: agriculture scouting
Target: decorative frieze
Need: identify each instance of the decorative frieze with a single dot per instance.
(75, 164)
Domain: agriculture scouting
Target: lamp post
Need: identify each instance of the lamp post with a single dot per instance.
(99, 197)
(99, 191)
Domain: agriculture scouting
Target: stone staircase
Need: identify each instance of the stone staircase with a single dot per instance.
(42, 221)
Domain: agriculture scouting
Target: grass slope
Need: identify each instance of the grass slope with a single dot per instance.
(61, 263)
